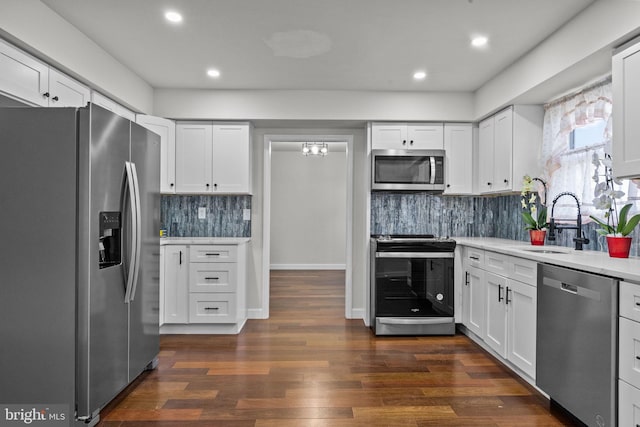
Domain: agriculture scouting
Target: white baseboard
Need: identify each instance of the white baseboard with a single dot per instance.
(201, 328)
(358, 313)
(308, 266)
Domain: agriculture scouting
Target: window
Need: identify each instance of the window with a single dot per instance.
(575, 128)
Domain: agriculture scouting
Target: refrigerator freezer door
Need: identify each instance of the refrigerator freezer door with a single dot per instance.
(38, 255)
(102, 312)
(144, 306)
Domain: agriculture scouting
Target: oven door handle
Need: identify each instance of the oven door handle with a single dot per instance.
(425, 255)
(414, 320)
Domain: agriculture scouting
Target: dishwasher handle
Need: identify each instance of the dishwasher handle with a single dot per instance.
(568, 287)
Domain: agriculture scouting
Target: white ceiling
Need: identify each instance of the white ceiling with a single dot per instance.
(318, 44)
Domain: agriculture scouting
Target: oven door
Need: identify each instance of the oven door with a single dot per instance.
(414, 293)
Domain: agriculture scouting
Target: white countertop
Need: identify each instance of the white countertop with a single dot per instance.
(591, 261)
(204, 240)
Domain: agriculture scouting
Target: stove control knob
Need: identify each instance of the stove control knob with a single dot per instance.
(439, 297)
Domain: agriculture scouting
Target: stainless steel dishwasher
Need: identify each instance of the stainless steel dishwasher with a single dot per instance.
(576, 342)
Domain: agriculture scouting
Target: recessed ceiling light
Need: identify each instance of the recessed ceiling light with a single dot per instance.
(479, 41)
(172, 16)
(212, 72)
(419, 75)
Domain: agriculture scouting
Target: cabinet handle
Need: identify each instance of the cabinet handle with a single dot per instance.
(211, 254)
(211, 278)
(475, 258)
(466, 278)
(55, 98)
(45, 95)
(507, 301)
(212, 308)
(638, 304)
(180, 262)
(638, 357)
(500, 298)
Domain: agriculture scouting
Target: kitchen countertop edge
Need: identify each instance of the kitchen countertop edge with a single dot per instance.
(204, 240)
(592, 261)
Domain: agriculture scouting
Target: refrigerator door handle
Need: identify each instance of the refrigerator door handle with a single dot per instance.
(137, 215)
(134, 231)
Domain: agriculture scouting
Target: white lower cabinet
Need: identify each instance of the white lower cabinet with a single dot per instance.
(174, 284)
(629, 355)
(502, 311)
(204, 288)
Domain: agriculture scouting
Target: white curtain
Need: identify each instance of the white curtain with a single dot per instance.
(566, 169)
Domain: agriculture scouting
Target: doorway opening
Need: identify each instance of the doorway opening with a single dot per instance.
(307, 223)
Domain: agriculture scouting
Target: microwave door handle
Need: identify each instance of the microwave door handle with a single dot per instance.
(432, 175)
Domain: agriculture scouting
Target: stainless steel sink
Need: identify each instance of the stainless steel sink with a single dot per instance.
(545, 250)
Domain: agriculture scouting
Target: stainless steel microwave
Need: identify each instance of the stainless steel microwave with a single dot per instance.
(407, 170)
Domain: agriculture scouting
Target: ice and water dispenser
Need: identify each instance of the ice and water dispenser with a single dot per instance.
(110, 249)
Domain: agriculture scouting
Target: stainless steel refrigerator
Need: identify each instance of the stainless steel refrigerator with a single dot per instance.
(79, 260)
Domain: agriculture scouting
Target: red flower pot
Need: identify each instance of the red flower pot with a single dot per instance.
(537, 237)
(619, 246)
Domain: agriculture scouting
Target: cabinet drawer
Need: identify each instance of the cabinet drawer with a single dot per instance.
(212, 277)
(630, 301)
(212, 308)
(523, 270)
(629, 351)
(628, 404)
(474, 257)
(497, 263)
(213, 253)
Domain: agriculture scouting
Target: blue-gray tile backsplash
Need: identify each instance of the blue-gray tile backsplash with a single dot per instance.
(179, 216)
(466, 216)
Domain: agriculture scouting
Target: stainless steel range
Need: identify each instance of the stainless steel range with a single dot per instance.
(412, 285)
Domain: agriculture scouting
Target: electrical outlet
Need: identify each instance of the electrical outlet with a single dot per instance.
(202, 213)
(246, 214)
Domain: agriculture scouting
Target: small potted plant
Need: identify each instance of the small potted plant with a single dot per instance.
(616, 225)
(535, 220)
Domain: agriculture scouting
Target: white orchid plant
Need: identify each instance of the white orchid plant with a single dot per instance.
(534, 218)
(605, 195)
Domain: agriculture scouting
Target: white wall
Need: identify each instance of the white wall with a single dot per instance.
(34, 27)
(308, 210)
(312, 105)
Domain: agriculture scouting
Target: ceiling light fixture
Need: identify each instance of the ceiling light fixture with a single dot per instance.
(315, 149)
(419, 75)
(212, 72)
(173, 16)
(479, 41)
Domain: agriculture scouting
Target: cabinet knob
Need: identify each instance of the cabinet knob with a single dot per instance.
(208, 185)
(448, 185)
(55, 98)
(488, 183)
(45, 95)
(411, 142)
(171, 185)
(215, 186)
(506, 181)
(404, 142)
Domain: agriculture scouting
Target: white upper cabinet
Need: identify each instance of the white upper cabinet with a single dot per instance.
(66, 92)
(458, 145)
(626, 110)
(213, 157)
(101, 100)
(167, 131)
(231, 158)
(25, 78)
(403, 136)
(194, 144)
(509, 147)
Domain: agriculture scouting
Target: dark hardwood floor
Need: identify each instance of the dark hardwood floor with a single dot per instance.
(308, 366)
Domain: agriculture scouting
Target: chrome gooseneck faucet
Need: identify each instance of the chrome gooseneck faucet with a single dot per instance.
(580, 238)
